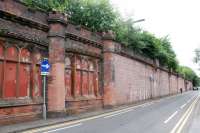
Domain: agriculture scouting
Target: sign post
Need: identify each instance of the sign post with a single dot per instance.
(44, 66)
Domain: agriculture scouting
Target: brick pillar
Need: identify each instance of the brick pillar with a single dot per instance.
(109, 71)
(56, 82)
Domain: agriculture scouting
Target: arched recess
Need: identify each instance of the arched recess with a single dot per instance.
(10, 77)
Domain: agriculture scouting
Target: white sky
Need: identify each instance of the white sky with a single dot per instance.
(177, 18)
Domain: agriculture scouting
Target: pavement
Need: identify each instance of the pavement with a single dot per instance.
(174, 114)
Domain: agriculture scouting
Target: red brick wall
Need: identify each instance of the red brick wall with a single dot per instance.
(134, 80)
(121, 76)
(173, 84)
(11, 114)
(181, 84)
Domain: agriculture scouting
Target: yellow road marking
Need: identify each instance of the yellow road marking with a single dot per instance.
(179, 126)
(82, 120)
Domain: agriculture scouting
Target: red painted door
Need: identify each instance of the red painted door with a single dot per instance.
(78, 83)
(1, 76)
(1, 51)
(78, 77)
(91, 83)
(68, 83)
(24, 82)
(10, 80)
(85, 83)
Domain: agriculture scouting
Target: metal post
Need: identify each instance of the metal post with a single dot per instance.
(44, 98)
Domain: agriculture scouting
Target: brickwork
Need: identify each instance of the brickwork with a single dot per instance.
(129, 78)
(88, 70)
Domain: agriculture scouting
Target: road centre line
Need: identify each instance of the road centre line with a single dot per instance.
(45, 128)
(190, 99)
(183, 105)
(76, 125)
(174, 114)
(42, 129)
(179, 126)
(118, 113)
(128, 110)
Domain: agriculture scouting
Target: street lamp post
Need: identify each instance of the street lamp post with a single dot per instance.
(139, 20)
(136, 21)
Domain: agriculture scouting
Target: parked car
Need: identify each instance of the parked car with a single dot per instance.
(195, 88)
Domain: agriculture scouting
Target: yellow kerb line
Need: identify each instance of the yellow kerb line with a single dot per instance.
(179, 126)
(45, 128)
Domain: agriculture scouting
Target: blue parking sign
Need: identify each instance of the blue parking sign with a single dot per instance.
(44, 67)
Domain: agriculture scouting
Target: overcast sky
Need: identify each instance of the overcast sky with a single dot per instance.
(180, 19)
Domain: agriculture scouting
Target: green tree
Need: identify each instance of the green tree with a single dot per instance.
(189, 74)
(98, 15)
(128, 35)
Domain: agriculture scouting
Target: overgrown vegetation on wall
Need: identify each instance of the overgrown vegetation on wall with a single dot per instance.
(99, 16)
(189, 74)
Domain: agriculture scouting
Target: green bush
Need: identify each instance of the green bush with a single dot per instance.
(99, 16)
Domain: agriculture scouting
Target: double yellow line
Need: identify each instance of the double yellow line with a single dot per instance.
(70, 123)
(181, 123)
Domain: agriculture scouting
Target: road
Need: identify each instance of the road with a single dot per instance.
(168, 115)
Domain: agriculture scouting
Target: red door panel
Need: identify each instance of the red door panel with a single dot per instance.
(12, 53)
(85, 83)
(68, 83)
(78, 83)
(25, 55)
(24, 82)
(1, 51)
(91, 83)
(1, 75)
(10, 80)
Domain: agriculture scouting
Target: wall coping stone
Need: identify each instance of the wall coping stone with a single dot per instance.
(10, 34)
(83, 39)
(57, 17)
(23, 20)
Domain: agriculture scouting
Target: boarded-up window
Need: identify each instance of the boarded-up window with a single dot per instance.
(68, 79)
(24, 73)
(81, 76)
(91, 78)
(10, 83)
(78, 77)
(1, 68)
(10, 80)
(12, 54)
(84, 70)
(17, 71)
(1, 51)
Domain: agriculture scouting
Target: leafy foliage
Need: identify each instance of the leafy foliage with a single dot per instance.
(145, 43)
(99, 15)
(189, 74)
